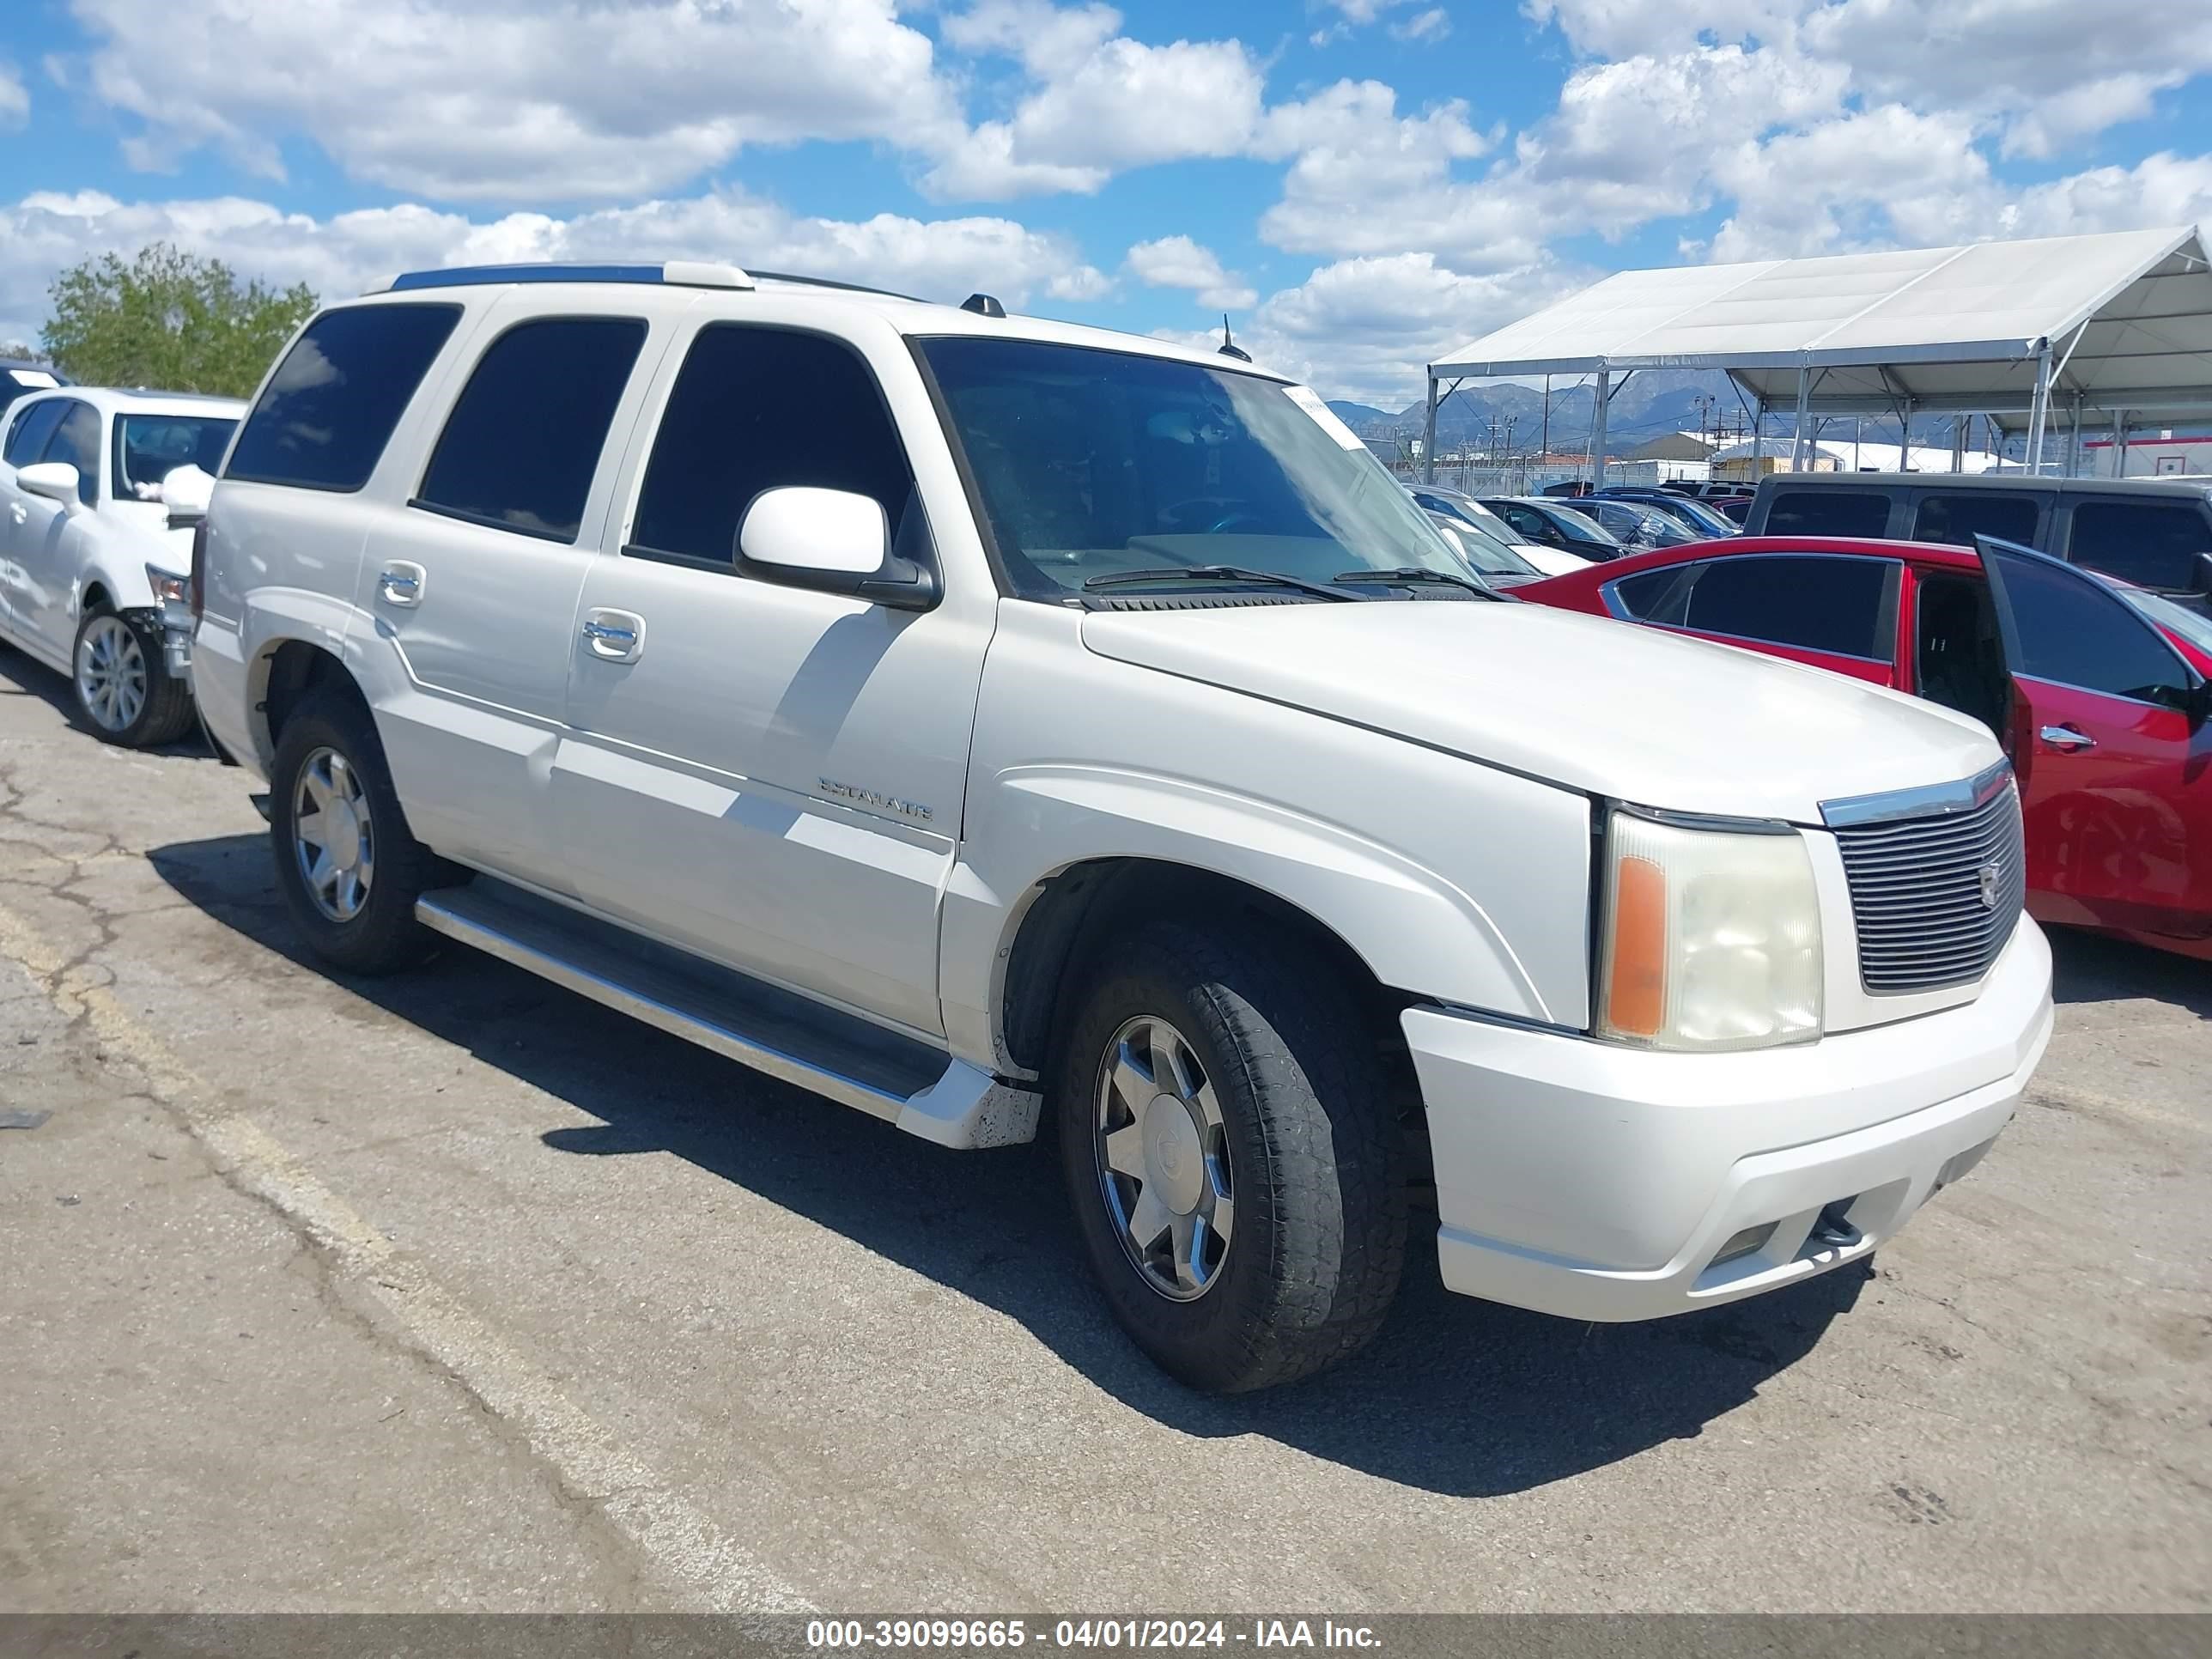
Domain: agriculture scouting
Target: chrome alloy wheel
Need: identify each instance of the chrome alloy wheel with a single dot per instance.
(1163, 1158)
(331, 835)
(110, 674)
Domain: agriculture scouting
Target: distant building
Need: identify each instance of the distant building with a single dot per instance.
(1830, 455)
(2160, 455)
(1687, 455)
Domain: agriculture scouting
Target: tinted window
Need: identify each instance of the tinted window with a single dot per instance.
(149, 448)
(2067, 628)
(2151, 543)
(1959, 519)
(29, 435)
(1828, 513)
(1658, 596)
(1844, 606)
(323, 420)
(501, 460)
(77, 441)
(754, 409)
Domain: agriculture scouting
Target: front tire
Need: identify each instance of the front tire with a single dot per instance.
(1228, 1144)
(348, 868)
(121, 678)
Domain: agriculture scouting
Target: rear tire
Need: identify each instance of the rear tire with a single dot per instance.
(1280, 1254)
(348, 868)
(120, 675)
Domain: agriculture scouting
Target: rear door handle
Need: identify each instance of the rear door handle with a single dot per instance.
(401, 583)
(18, 511)
(615, 636)
(2066, 736)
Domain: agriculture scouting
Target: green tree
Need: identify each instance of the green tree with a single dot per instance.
(168, 320)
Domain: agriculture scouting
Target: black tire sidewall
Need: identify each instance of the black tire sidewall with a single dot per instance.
(1230, 1338)
(384, 935)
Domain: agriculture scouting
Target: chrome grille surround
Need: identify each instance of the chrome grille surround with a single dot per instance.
(1938, 878)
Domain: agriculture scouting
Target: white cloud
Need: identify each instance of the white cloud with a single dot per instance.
(14, 99)
(1430, 27)
(484, 100)
(1099, 103)
(942, 259)
(1366, 329)
(1178, 261)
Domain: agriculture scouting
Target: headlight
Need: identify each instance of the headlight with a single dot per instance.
(1712, 938)
(169, 589)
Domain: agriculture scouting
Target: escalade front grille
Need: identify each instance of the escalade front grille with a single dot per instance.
(1937, 881)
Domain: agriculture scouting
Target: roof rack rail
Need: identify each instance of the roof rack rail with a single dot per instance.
(682, 273)
(826, 282)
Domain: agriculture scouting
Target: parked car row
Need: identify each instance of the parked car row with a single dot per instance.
(1088, 725)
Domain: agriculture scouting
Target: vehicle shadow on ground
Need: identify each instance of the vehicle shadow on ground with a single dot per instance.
(2092, 968)
(1456, 1397)
(19, 677)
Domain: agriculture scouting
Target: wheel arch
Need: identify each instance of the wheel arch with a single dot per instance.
(284, 672)
(1071, 913)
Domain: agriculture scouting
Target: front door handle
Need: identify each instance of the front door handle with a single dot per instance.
(401, 583)
(18, 511)
(615, 636)
(2066, 736)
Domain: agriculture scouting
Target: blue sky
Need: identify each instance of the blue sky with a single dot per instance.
(1364, 184)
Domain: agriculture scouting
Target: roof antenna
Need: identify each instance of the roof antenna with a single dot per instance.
(983, 305)
(1229, 347)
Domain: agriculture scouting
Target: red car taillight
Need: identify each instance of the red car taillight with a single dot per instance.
(198, 592)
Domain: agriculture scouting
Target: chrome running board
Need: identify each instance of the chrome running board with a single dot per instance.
(776, 1032)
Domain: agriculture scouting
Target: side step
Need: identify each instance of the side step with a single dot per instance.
(920, 1089)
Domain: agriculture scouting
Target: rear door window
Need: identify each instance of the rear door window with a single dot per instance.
(324, 417)
(755, 408)
(2150, 543)
(2069, 629)
(1828, 513)
(522, 444)
(1844, 606)
(1957, 517)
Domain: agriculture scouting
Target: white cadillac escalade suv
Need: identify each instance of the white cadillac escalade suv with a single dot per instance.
(988, 723)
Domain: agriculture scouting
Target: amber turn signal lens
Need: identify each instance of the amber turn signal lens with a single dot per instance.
(1636, 992)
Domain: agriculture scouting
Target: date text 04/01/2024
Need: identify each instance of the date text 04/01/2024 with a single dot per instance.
(1166, 1634)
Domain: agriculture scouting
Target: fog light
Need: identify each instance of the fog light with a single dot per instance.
(1750, 1242)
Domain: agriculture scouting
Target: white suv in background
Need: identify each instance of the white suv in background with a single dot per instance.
(93, 556)
(967, 716)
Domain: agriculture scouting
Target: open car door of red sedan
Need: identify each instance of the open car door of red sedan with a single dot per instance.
(2110, 734)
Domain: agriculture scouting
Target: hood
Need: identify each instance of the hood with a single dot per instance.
(1585, 702)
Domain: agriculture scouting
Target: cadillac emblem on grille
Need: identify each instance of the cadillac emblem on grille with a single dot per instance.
(1989, 876)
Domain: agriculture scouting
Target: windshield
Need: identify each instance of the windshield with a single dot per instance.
(147, 448)
(1484, 551)
(1699, 514)
(2191, 625)
(1093, 462)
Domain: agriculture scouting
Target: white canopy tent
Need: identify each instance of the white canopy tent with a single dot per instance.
(2101, 327)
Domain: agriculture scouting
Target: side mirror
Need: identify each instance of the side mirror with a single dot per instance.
(55, 480)
(2198, 705)
(833, 541)
(186, 492)
(2204, 573)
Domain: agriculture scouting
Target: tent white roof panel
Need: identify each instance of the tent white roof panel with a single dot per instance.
(2129, 313)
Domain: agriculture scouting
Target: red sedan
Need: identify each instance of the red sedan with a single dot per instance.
(2101, 693)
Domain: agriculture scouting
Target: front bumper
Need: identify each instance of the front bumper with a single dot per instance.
(1599, 1183)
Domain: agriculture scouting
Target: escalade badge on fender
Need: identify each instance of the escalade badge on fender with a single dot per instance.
(861, 797)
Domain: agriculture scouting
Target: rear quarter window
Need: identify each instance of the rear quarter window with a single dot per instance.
(325, 415)
(1828, 513)
(1959, 518)
(2150, 543)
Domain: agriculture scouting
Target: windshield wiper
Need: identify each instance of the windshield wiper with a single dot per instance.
(1415, 573)
(1214, 572)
